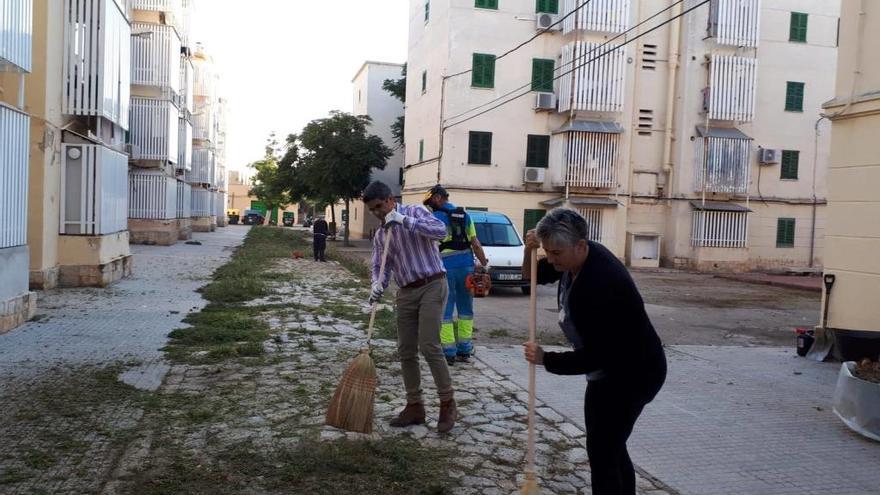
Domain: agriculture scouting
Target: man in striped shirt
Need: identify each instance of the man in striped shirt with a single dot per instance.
(414, 262)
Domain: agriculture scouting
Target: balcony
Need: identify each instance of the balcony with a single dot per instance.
(203, 86)
(603, 16)
(203, 167)
(594, 85)
(719, 225)
(722, 160)
(186, 84)
(220, 204)
(94, 190)
(152, 195)
(184, 154)
(97, 60)
(584, 154)
(735, 22)
(16, 32)
(155, 60)
(732, 88)
(184, 200)
(14, 136)
(202, 202)
(203, 122)
(154, 130)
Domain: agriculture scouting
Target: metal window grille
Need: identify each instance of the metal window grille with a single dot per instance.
(722, 165)
(594, 86)
(604, 16)
(720, 229)
(14, 137)
(732, 88)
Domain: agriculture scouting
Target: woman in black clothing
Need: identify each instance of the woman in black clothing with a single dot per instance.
(613, 341)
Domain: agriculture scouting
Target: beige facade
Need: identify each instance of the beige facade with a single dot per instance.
(660, 140)
(853, 236)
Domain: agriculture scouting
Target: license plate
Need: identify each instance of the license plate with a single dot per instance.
(509, 276)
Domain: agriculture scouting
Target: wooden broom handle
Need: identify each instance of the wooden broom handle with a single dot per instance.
(381, 278)
(533, 324)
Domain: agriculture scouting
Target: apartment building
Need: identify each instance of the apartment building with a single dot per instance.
(853, 234)
(369, 98)
(202, 178)
(17, 303)
(695, 144)
(161, 122)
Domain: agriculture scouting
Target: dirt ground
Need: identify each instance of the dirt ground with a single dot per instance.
(685, 308)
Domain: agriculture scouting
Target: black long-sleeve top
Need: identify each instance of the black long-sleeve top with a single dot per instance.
(609, 316)
(320, 227)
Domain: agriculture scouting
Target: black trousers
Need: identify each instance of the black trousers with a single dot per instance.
(611, 409)
(319, 245)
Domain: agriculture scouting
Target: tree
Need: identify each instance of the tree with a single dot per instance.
(337, 159)
(397, 89)
(268, 183)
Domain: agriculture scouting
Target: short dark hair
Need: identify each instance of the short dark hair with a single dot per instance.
(377, 190)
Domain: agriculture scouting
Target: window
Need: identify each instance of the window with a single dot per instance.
(797, 30)
(789, 169)
(531, 219)
(497, 234)
(785, 232)
(483, 75)
(424, 81)
(794, 96)
(427, 10)
(547, 6)
(480, 148)
(538, 151)
(542, 75)
(486, 4)
(421, 150)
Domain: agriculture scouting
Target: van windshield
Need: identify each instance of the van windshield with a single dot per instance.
(497, 234)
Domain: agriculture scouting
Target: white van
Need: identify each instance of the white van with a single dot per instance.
(503, 246)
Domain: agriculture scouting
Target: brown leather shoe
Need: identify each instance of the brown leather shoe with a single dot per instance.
(412, 414)
(448, 415)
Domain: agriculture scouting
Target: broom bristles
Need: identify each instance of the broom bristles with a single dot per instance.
(530, 486)
(352, 406)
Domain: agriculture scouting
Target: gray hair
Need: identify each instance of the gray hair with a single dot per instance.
(562, 226)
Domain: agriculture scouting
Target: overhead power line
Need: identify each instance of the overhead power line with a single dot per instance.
(526, 42)
(606, 43)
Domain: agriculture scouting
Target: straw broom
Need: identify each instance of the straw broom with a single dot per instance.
(352, 405)
(530, 485)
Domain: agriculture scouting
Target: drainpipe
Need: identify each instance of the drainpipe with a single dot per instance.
(815, 166)
(674, 48)
(442, 125)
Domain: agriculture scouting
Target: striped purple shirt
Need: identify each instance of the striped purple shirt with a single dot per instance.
(413, 253)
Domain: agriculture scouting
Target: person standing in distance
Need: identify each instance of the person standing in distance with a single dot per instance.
(320, 229)
(457, 249)
(614, 344)
(414, 262)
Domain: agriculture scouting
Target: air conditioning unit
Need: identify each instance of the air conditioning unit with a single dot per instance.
(769, 156)
(534, 175)
(548, 22)
(545, 101)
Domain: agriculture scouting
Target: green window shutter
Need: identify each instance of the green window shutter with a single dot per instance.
(797, 30)
(483, 71)
(480, 148)
(789, 168)
(427, 10)
(486, 4)
(542, 75)
(547, 6)
(785, 232)
(424, 81)
(538, 151)
(794, 96)
(531, 219)
(421, 150)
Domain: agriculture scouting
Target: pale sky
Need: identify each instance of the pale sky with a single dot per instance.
(283, 63)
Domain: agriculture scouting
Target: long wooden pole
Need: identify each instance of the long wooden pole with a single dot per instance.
(533, 324)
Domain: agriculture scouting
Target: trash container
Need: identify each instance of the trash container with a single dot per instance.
(805, 338)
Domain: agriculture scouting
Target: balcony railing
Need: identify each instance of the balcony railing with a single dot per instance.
(155, 60)
(16, 32)
(152, 195)
(94, 190)
(203, 79)
(202, 167)
(722, 164)
(97, 60)
(732, 88)
(202, 202)
(186, 84)
(595, 231)
(595, 84)
(203, 122)
(220, 204)
(14, 137)
(720, 229)
(735, 22)
(604, 16)
(154, 129)
(184, 143)
(184, 200)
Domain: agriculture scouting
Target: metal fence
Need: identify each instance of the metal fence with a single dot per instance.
(152, 195)
(16, 32)
(154, 129)
(155, 60)
(14, 136)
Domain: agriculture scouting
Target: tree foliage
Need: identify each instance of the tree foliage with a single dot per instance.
(397, 89)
